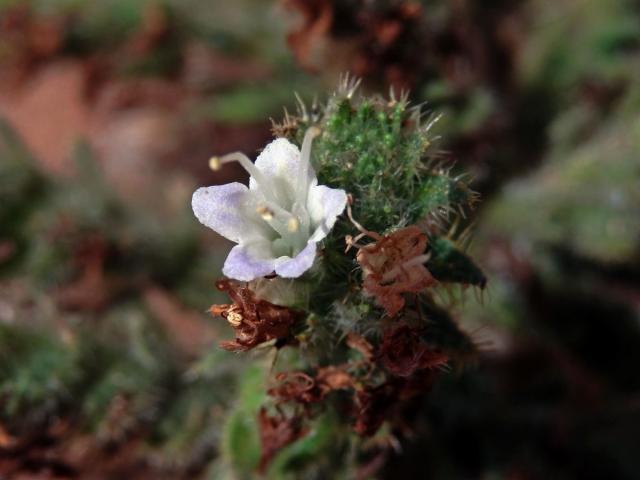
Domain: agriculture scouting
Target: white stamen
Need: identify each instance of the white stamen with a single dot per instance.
(283, 222)
(302, 214)
(274, 210)
(215, 163)
(305, 160)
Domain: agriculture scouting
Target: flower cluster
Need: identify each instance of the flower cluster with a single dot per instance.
(366, 329)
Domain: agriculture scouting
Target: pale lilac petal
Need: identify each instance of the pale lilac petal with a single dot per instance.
(227, 209)
(296, 266)
(248, 262)
(325, 205)
(280, 163)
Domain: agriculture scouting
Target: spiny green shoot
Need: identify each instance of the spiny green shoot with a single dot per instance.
(380, 151)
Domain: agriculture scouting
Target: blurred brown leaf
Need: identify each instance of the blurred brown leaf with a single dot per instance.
(317, 18)
(188, 329)
(50, 112)
(7, 249)
(91, 290)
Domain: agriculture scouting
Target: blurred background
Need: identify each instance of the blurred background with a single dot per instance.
(109, 110)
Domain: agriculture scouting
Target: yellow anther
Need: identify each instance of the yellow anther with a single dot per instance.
(234, 318)
(265, 213)
(215, 163)
(293, 225)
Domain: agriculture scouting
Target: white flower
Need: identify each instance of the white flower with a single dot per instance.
(278, 220)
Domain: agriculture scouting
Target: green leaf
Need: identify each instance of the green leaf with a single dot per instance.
(241, 439)
(449, 264)
(308, 451)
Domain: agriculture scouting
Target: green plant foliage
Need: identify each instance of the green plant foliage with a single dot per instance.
(573, 200)
(314, 455)
(107, 368)
(22, 188)
(241, 442)
(38, 375)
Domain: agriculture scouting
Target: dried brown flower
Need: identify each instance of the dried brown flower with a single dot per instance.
(402, 352)
(388, 401)
(305, 389)
(372, 406)
(276, 433)
(393, 265)
(255, 321)
(412, 364)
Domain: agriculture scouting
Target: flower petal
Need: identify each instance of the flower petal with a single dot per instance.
(250, 261)
(228, 210)
(280, 163)
(325, 205)
(296, 266)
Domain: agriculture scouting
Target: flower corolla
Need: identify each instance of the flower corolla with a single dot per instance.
(278, 220)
